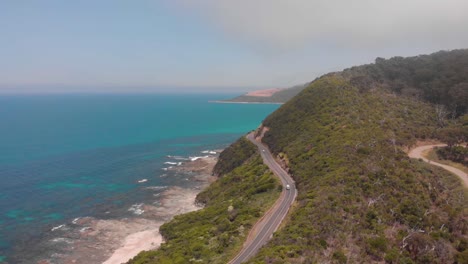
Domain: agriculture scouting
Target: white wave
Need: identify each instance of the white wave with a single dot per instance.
(142, 180)
(156, 187)
(209, 152)
(164, 169)
(62, 240)
(84, 229)
(57, 227)
(137, 209)
(170, 163)
(180, 163)
(199, 157)
(75, 221)
(177, 157)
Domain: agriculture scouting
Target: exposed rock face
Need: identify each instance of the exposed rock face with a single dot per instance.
(264, 93)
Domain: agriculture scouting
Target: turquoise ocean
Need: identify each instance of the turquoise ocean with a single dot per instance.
(69, 156)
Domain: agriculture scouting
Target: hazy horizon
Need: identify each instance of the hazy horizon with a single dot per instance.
(104, 89)
(208, 46)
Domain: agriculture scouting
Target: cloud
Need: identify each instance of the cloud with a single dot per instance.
(292, 24)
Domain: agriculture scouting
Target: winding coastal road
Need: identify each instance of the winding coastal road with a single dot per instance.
(263, 230)
(417, 153)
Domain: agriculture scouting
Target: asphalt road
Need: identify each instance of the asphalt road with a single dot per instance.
(269, 223)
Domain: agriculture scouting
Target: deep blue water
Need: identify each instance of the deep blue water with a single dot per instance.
(66, 156)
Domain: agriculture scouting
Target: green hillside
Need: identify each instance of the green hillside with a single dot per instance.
(278, 97)
(361, 199)
(233, 204)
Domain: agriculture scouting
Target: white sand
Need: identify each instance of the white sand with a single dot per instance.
(134, 243)
(176, 201)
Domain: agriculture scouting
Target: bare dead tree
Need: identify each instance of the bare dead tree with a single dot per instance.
(441, 115)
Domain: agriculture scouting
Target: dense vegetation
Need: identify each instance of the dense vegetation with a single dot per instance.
(361, 199)
(278, 97)
(234, 156)
(456, 154)
(233, 204)
(439, 78)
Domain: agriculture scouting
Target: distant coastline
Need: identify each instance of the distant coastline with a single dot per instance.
(232, 102)
(266, 96)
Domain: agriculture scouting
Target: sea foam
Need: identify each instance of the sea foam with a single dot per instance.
(137, 209)
(199, 157)
(57, 227)
(209, 152)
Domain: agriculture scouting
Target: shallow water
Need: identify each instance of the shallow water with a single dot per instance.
(69, 156)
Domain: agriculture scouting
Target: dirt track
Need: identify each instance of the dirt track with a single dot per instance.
(417, 154)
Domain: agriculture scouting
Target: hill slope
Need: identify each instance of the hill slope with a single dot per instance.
(278, 97)
(361, 199)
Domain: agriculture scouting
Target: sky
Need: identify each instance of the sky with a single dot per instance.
(210, 45)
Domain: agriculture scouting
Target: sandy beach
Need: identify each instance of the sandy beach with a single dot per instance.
(176, 201)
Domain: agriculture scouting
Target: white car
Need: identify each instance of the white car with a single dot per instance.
(288, 187)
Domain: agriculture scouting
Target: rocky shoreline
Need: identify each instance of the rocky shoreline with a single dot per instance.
(115, 241)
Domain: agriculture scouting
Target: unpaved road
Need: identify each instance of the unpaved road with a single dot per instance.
(269, 223)
(417, 154)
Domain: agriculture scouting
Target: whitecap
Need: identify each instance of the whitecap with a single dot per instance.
(199, 157)
(177, 157)
(84, 229)
(136, 209)
(209, 152)
(155, 187)
(75, 221)
(62, 240)
(142, 180)
(170, 163)
(57, 227)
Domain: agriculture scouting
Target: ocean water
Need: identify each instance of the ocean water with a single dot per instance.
(68, 156)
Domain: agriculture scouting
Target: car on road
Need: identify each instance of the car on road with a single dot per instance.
(288, 187)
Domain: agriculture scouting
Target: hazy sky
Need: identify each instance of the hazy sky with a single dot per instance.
(210, 45)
